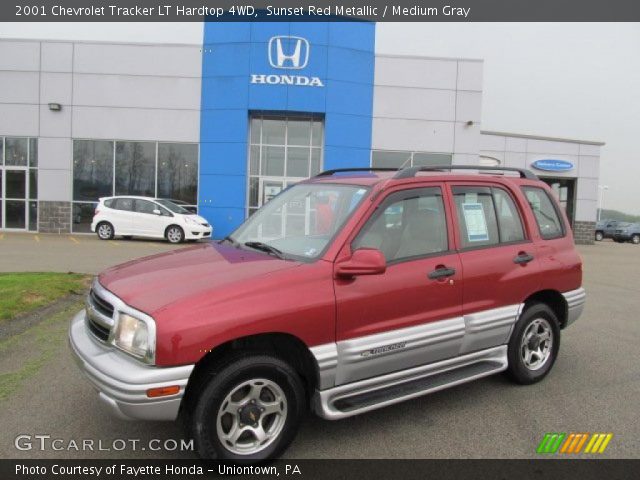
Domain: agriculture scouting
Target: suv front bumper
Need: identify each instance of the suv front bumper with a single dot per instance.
(122, 382)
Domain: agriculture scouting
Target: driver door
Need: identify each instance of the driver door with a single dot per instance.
(410, 315)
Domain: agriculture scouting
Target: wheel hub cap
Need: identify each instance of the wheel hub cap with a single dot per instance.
(250, 415)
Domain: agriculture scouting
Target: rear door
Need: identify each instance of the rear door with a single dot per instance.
(120, 215)
(498, 259)
(411, 314)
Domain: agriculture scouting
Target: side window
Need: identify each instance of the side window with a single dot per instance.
(476, 216)
(509, 222)
(144, 206)
(123, 204)
(108, 203)
(545, 212)
(408, 224)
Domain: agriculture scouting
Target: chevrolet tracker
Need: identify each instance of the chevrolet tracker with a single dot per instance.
(354, 290)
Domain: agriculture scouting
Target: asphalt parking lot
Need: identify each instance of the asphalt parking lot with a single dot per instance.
(29, 252)
(594, 386)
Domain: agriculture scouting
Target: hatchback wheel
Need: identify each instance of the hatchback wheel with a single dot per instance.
(250, 410)
(105, 231)
(534, 344)
(635, 239)
(599, 236)
(175, 234)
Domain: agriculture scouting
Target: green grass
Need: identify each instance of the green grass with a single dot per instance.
(34, 349)
(24, 292)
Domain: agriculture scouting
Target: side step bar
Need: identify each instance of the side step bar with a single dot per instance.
(365, 395)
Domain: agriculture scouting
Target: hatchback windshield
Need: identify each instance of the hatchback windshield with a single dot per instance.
(172, 206)
(300, 221)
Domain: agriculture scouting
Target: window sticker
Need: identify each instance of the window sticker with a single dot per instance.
(476, 223)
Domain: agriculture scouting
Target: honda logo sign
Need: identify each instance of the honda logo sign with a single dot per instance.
(288, 52)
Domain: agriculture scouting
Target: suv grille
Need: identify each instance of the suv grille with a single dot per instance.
(99, 316)
(101, 305)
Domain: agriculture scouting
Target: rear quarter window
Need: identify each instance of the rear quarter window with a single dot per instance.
(546, 212)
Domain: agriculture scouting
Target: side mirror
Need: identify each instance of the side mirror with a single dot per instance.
(364, 261)
(157, 212)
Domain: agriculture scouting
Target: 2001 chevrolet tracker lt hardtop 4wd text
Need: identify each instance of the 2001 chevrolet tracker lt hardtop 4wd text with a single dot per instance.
(351, 291)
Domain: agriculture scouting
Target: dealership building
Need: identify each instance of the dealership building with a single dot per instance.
(228, 124)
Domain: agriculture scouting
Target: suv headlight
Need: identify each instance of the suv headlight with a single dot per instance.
(135, 336)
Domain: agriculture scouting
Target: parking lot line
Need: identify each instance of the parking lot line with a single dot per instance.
(73, 240)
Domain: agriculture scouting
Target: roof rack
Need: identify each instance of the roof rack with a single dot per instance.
(410, 172)
(328, 173)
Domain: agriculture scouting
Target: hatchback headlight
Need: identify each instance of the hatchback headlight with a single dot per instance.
(135, 336)
(192, 221)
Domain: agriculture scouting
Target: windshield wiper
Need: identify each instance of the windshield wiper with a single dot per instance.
(265, 247)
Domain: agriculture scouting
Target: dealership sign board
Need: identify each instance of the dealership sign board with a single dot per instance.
(552, 165)
(288, 53)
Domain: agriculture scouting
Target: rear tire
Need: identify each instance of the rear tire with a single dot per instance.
(174, 234)
(105, 231)
(599, 236)
(534, 344)
(244, 399)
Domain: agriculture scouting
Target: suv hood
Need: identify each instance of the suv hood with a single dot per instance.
(151, 283)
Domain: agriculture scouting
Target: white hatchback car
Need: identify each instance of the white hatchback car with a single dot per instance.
(130, 216)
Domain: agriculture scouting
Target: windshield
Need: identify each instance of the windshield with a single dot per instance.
(172, 206)
(301, 221)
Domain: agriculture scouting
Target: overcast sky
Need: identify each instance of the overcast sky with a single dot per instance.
(574, 80)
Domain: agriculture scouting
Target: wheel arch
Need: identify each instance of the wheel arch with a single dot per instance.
(554, 300)
(285, 346)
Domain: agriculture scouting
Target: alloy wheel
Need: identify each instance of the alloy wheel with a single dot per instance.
(251, 416)
(174, 235)
(537, 343)
(104, 231)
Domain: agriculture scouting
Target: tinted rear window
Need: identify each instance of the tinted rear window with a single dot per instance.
(122, 204)
(546, 213)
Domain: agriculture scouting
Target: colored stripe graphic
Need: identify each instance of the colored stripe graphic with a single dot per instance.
(551, 442)
(573, 443)
(598, 443)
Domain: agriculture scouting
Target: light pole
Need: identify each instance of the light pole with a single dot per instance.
(602, 188)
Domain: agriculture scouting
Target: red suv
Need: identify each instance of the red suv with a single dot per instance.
(354, 290)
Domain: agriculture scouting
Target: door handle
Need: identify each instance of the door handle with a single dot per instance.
(441, 272)
(523, 258)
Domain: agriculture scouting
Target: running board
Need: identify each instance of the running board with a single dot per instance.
(365, 395)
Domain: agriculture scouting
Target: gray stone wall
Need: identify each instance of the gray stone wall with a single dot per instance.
(583, 232)
(54, 217)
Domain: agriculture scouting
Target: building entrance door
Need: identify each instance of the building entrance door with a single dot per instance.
(13, 204)
(565, 191)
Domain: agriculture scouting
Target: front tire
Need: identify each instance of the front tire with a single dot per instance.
(249, 411)
(105, 231)
(534, 344)
(599, 236)
(175, 234)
